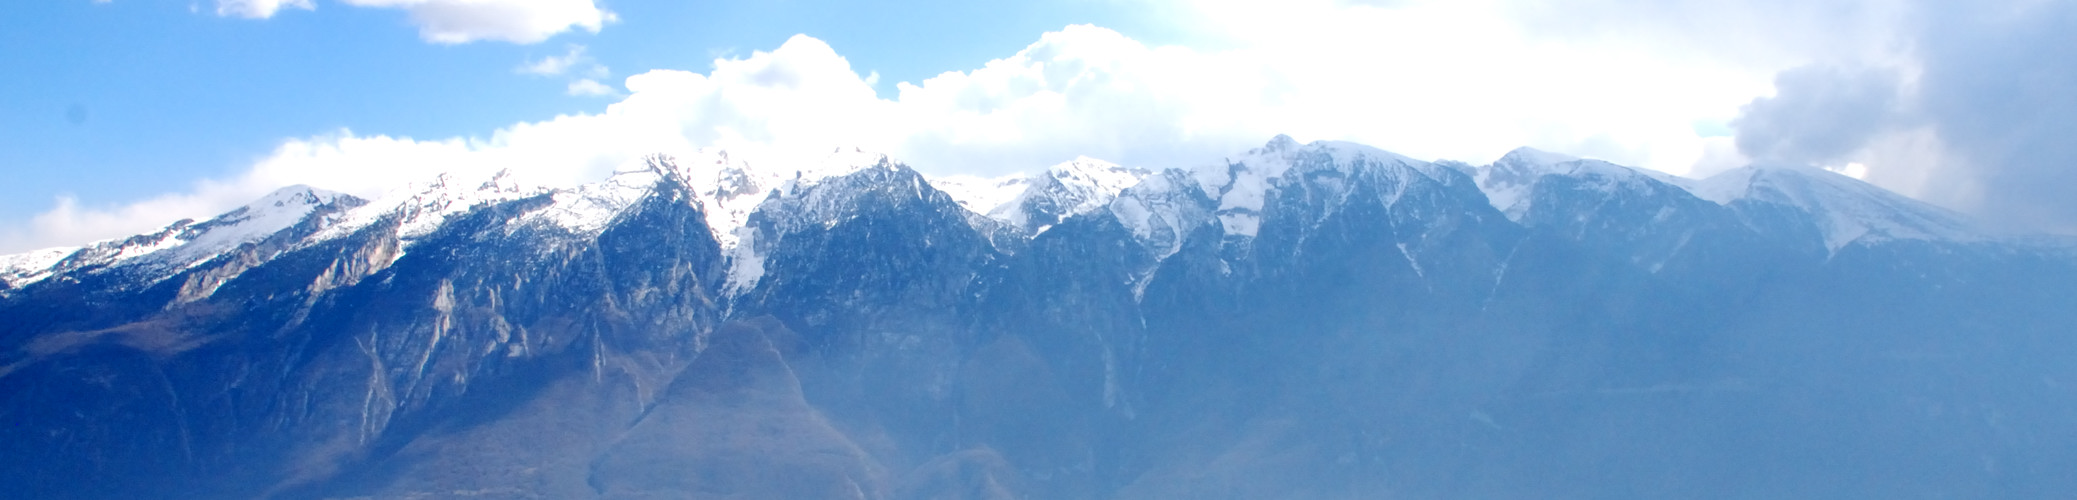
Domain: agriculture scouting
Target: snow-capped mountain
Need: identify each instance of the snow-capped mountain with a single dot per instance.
(1845, 209)
(1508, 182)
(1321, 320)
(192, 257)
(182, 244)
(1035, 203)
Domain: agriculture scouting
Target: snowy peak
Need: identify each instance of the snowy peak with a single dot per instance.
(1162, 209)
(587, 209)
(1242, 184)
(728, 188)
(21, 269)
(1096, 176)
(1509, 181)
(824, 194)
(842, 162)
(273, 213)
(420, 208)
(1528, 156)
(180, 245)
(1845, 209)
(1035, 203)
(983, 195)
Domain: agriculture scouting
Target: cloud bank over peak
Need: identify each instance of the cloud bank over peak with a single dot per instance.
(1081, 90)
(1974, 111)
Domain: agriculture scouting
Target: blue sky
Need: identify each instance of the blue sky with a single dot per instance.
(121, 100)
(119, 116)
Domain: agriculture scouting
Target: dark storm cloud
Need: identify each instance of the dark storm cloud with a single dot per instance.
(1997, 85)
(1820, 114)
(2000, 86)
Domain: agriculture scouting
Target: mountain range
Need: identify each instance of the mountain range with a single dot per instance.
(1323, 320)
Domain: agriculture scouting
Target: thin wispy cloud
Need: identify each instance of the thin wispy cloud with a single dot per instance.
(461, 21)
(259, 9)
(558, 65)
(590, 87)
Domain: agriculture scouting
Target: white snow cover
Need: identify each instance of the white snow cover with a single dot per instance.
(741, 188)
(179, 245)
(1083, 185)
(729, 188)
(1079, 186)
(29, 267)
(274, 212)
(729, 185)
(1161, 210)
(1242, 184)
(1507, 181)
(983, 195)
(588, 208)
(422, 206)
(1158, 208)
(1847, 209)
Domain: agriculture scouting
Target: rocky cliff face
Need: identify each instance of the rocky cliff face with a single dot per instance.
(1322, 321)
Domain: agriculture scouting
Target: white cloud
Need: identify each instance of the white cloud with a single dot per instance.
(516, 21)
(584, 70)
(590, 87)
(461, 21)
(556, 65)
(1427, 80)
(258, 9)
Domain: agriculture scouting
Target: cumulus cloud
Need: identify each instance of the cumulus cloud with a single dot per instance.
(461, 21)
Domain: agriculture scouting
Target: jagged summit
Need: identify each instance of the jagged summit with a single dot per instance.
(730, 186)
(1035, 202)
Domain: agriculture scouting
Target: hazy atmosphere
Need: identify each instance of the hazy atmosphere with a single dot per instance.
(1089, 249)
(122, 115)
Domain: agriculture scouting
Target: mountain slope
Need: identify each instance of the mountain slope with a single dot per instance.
(1323, 320)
